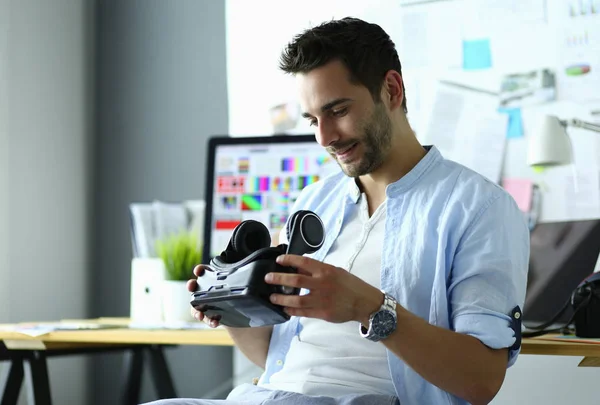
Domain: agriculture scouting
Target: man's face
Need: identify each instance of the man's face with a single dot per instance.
(356, 131)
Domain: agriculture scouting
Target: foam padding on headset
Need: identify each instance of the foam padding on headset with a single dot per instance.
(248, 237)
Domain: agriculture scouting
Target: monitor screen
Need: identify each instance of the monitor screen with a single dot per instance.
(562, 255)
(257, 178)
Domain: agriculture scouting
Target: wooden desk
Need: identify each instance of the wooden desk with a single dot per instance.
(66, 339)
(106, 337)
(28, 355)
(31, 352)
(544, 345)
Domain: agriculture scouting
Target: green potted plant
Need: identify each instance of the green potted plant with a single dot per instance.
(180, 253)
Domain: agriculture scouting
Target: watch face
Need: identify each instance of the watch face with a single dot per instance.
(384, 323)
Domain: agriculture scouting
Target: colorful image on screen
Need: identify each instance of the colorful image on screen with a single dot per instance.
(261, 182)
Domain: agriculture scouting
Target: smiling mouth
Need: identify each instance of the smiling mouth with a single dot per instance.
(346, 152)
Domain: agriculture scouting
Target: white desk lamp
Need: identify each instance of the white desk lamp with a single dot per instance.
(550, 144)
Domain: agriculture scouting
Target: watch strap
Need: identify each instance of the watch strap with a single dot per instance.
(389, 304)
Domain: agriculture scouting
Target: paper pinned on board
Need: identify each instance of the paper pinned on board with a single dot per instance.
(582, 194)
(491, 15)
(528, 87)
(477, 54)
(467, 128)
(430, 37)
(415, 48)
(521, 190)
(579, 51)
(445, 118)
(483, 146)
(514, 128)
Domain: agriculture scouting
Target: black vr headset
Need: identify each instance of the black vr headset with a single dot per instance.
(232, 288)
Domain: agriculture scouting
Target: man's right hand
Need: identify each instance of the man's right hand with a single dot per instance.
(192, 286)
(253, 342)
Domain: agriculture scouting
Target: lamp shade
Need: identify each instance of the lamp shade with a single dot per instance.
(550, 144)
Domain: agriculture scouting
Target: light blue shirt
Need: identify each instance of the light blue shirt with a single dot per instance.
(455, 253)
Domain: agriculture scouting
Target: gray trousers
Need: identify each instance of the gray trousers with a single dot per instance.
(248, 394)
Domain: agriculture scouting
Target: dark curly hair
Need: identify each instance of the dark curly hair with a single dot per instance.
(364, 48)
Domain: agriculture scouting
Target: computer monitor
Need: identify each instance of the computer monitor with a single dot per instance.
(562, 255)
(257, 178)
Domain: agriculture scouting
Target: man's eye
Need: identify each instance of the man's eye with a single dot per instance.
(339, 113)
(312, 123)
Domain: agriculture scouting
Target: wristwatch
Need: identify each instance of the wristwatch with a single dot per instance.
(382, 322)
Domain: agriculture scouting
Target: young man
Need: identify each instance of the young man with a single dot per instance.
(411, 299)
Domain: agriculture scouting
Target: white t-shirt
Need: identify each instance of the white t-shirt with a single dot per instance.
(333, 359)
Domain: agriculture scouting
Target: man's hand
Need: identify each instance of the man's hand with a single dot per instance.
(334, 295)
(253, 342)
(192, 285)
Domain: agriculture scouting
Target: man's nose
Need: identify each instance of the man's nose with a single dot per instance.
(326, 134)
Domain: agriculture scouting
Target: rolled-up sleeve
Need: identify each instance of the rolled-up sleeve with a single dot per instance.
(489, 274)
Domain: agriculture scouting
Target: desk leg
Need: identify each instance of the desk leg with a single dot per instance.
(590, 362)
(161, 376)
(133, 376)
(11, 381)
(38, 383)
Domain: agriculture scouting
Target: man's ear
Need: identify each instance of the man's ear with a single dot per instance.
(391, 91)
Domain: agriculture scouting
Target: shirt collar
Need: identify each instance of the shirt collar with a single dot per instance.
(353, 192)
(432, 156)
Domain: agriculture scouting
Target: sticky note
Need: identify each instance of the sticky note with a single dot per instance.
(521, 190)
(514, 128)
(477, 54)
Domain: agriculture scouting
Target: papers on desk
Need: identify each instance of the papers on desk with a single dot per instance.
(169, 325)
(43, 328)
(467, 128)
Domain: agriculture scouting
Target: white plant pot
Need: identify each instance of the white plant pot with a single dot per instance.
(175, 301)
(147, 275)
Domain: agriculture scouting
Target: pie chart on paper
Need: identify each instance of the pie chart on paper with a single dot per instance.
(578, 70)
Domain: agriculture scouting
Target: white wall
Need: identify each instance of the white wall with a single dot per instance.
(255, 39)
(4, 167)
(161, 93)
(254, 43)
(47, 159)
(548, 380)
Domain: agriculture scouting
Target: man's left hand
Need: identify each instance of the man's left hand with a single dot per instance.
(335, 295)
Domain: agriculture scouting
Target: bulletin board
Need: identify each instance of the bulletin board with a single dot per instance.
(479, 75)
(473, 67)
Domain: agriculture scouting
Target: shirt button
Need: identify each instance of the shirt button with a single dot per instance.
(279, 362)
(339, 221)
